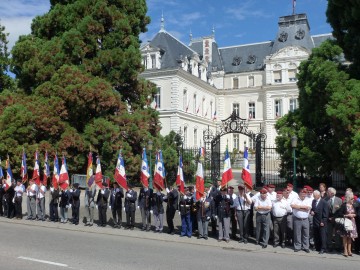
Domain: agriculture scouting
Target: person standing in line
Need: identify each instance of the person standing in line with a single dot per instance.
(333, 239)
(144, 204)
(53, 205)
(223, 201)
(289, 217)
(263, 207)
(320, 213)
(31, 193)
(280, 208)
(172, 205)
(19, 190)
(233, 221)
(310, 197)
(301, 209)
(75, 203)
(90, 193)
(116, 196)
(40, 196)
(64, 205)
(158, 211)
(242, 206)
(2, 192)
(130, 207)
(185, 204)
(102, 204)
(205, 211)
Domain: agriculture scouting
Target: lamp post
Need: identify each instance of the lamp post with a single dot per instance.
(150, 145)
(294, 145)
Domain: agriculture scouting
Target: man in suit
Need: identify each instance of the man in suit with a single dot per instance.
(130, 200)
(102, 203)
(204, 207)
(116, 196)
(320, 213)
(75, 203)
(333, 239)
(90, 193)
(223, 201)
(53, 205)
(171, 199)
(144, 204)
(157, 209)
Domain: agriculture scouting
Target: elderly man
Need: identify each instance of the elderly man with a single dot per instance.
(280, 208)
(130, 208)
(223, 201)
(171, 200)
(320, 213)
(144, 204)
(31, 192)
(301, 209)
(289, 218)
(232, 214)
(242, 205)
(204, 207)
(90, 193)
(333, 239)
(263, 207)
(185, 203)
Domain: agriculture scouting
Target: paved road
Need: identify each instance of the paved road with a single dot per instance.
(46, 246)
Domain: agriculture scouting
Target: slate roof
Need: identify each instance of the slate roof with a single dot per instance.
(216, 63)
(318, 39)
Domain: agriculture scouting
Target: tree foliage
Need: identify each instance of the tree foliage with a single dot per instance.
(78, 74)
(5, 80)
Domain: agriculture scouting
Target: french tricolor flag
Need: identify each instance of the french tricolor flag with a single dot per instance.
(46, 169)
(56, 171)
(180, 177)
(227, 174)
(246, 176)
(159, 172)
(36, 172)
(64, 175)
(23, 172)
(9, 175)
(199, 180)
(98, 173)
(120, 174)
(144, 170)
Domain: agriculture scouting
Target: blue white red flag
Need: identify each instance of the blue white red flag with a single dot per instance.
(144, 170)
(246, 176)
(200, 185)
(98, 173)
(227, 174)
(64, 175)
(46, 169)
(36, 172)
(56, 172)
(159, 175)
(180, 182)
(23, 170)
(214, 116)
(1, 172)
(90, 180)
(9, 175)
(120, 174)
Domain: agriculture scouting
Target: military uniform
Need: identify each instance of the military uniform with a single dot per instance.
(185, 204)
(116, 196)
(144, 204)
(130, 207)
(64, 205)
(158, 211)
(242, 206)
(263, 219)
(223, 202)
(172, 205)
(53, 205)
(102, 203)
(75, 203)
(204, 212)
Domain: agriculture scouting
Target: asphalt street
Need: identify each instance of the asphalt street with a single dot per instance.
(45, 245)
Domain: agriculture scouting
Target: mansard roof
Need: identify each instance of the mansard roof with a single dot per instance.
(216, 63)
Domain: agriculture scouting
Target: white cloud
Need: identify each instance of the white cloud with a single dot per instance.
(245, 10)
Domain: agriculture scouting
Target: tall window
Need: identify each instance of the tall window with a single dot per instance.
(158, 98)
(211, 109)
(277, 76)
(195, 137)
(235, 83)
(203, 107)
(195, 105)
(293, 104)
(251, 81)
(236, 141)
(236, 108)
(185, 136)
(292, 75)
(153, 61)
(278, 108)
(251, 110)
(251, 143)
(145, 61)
(185, 101)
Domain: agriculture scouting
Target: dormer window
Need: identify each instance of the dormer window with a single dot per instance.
(292, 75)
(153, 61)
(277, 76)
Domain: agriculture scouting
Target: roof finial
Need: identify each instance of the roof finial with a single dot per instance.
(213, 31)
(162, 25)
(191, 36)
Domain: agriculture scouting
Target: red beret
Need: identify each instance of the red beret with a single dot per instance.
(271, 186)
(303, 190)
(279, 192)
(231, 187)
(290, 185)
(263, 191)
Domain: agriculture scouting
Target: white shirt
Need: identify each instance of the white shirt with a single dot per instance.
(19, 190)
(34, 187)
(39, 194)
(289, 201)
(306, 202)
(261, 202)
(293, 195)
(255, 197)
(272, 196)
(280, 208)
(240, 202)
(233, 196)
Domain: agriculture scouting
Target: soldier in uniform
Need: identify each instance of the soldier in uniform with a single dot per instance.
(263, 207)
(19, 190)
(158, 211)
(64, 205)
(53, 205)
(193, 209)
(130, 201)
(116, 196)
(232, 214)
(223, 201)
(102, 204)
(41, 202)
(212, 192)
(75, 203)
(172, 205)
(90, 193)
(185, 204)
(144, 204)
(9, 196)
(204, 212)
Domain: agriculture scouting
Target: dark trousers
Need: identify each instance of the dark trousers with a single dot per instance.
(53, 211)
(170, 214)
(117, 215)
(102, 215)
(1, 208)
(75, 214)
(233, 223)
(18, 207)
(320, 237)
(130, 219)
(186, 226)
(243, 221)
(10, 209)
(279, 230)
(263, 228)
(194, 221)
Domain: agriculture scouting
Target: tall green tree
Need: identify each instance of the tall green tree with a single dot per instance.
(5, 80)
(78, 71)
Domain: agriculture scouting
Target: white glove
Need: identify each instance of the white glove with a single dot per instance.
(51, 189)
(60, 192)
(185, 197)
(110, 207)
(124, 209)
(138, 207)
(167, 190)
(66, 206)
(70, 190)
(97, 207)
(151, 212)
(117, 189)
(128, 195)
(179, 213)
(102, 191)
(165, 197)
(228, 196)
(69, 205)
(158, 193)
(216, 217)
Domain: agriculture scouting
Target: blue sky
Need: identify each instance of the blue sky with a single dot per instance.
(235, 21)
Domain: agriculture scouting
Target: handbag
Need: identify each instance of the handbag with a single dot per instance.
(344, 223)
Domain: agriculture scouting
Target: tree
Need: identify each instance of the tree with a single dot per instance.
(78, 73)
(5, 80)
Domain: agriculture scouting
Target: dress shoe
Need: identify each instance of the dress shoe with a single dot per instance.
(321, 252)
(227, 240)
(307, 251)
(276, 245)
(264, 246)
(296, 250)
(241, 240)
(282, 245)
(206, 238)
(245, 241)
(219, 240)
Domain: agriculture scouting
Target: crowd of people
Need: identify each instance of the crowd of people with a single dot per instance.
(308, 220)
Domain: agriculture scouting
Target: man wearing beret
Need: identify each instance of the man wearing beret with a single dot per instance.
(102, 203)
(90, 193)
(242, 206)
(223, 201)
(75, 203)
(301, 209)
(280, 208)
(309, 196)
(185, 203)
(263, 207)
(171, 200)
(116, 196)
(144, 204)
